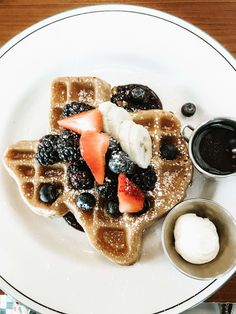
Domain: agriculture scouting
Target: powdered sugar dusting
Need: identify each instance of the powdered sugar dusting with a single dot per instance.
(124, 231)
(168, 178)
(85, 96)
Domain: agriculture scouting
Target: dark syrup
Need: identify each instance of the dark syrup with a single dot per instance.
(214, 147)
(71, 220)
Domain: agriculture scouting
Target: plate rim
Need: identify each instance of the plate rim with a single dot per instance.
(136, 9)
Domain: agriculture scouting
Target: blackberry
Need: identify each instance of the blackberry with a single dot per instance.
(145, 178)
(75, 108)
(168, 151)
(188, 109)
(49, 192)
(80, 177)
(120, 162)
(108, 190)
(113, 208)
(68, 147)
(47, 150)
(114, 146)
(86, 202)
(136, 96)
(70, 219)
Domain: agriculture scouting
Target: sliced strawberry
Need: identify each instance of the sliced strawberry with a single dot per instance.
(90, 120)
(93, 147)
(131, 197)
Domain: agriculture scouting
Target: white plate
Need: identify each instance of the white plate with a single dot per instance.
(45, 263)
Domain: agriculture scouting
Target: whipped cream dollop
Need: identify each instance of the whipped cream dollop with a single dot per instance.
(196, 239)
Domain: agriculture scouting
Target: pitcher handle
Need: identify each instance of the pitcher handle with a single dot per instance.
(184, 134)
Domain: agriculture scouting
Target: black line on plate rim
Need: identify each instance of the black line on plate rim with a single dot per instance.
(125, 11)
(29, 298)
(109, 11)
(52, 309)
(172, 307)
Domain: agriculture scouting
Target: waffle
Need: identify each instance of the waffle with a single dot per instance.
(120, 238)
(29, 175)
(20, 157)
(89, 90)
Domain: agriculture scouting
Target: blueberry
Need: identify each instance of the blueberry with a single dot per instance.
(108, 190)
(86, 201)
(188, 109)
(48, 193)
(113, 208)
(70, 219)
(120, 162)
(138, 94)
(168, 151)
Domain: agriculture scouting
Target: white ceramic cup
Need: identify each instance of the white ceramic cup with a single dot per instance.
(195, 155)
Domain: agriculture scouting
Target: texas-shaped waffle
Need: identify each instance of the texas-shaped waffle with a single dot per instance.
(117, 238)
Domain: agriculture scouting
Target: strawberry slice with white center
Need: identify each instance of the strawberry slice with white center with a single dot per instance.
(90, 120)
(131, 197)
(93, 148)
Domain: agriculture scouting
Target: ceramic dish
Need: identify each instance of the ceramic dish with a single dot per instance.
(45, 263)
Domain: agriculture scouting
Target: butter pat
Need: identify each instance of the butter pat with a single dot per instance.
(196, 239)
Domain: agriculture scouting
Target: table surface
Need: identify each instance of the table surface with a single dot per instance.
(217, 18)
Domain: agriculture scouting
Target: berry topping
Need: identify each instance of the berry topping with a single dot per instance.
(68, 146)
(80, 177)
(168, 151)
(93, 147)
(114, 146)
(188, 109)
(70, 219)
(120, 162)
(47, 150)
(48, 193)
(75, 108)
(86, 202)
(85, 121)
(136, 96)
(131, 197)
(146, 207)
(145, 178)
(108, 190)
(113, 208)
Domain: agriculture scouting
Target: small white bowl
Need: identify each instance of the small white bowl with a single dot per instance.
(226, 229)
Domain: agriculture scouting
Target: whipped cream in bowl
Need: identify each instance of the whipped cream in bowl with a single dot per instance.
(199, 239)
(196, 238)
